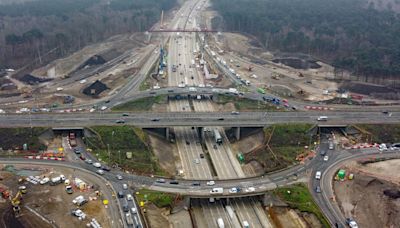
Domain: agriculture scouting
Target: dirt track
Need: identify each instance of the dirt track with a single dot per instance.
(363, 198)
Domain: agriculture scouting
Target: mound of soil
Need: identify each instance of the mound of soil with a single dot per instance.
(94, 60)
(95, 88)
(392, 193)
(365, 88)
(32, 80)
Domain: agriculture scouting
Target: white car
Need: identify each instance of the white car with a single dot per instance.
(210, 183)
(250, 189)
(318, 175)
(133, 209)
(233, 190)
(97, 164)
(103, 108)
(100, 171)
(44, 180)
(129, 197)
(124, 186)
(326, 158)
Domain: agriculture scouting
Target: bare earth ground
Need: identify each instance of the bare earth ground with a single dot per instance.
(156, 217)
(363, 198)
(166, 153)
(54, 204)
(180, 219)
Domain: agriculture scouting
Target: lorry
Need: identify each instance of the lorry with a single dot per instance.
(217, 137)
(129, 219)
(233, 90)
(220, 223)
(217, 191)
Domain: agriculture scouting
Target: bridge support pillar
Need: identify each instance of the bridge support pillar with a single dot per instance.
(167, 133)
(236, 132)
(200, 131)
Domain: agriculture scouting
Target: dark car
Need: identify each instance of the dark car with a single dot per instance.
(120, 194)
(201, 155)
(196, 183)
(77, 150)
(120, 121)
(187, 142)
(385, 112)
(322, 152)
(125, 114)
(106, 168)
(155, 119)
(174, 182)
(220, 118)
(125, 208)
(107, 101)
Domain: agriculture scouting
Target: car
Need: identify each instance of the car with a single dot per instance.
(125, 208)
(89, 161)
(119, 177)
(160, 180)
(196, 161)
(155, 119)
(106, 168)
(235, 113)
(129, 197)
(201, 155)
(351, 223)
(82, 157)
(187, 142)
(234, 190)
(120, 194)
(97, 164)
(196, 183)
(215, 146)
(318, 175)
(120, 121)
(124, 186)
(107, 101)
(210, 183)
(326, 158)
(133, 210)
(385, 112)
(250, 189)
(77, 150)
(318, 189)
(174, 182)
(322, 152)
(125, 114)
(220, 119)
(99, 171)
(103, 108)
(69, 189)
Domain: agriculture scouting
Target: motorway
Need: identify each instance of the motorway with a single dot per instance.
(198, 119)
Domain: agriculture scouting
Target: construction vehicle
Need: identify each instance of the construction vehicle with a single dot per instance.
(4, 193)
(22, 189)
(15, 202)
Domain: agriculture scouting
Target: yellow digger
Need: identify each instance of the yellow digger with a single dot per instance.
(15, 203)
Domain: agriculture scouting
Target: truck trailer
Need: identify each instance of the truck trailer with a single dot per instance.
(217, 137)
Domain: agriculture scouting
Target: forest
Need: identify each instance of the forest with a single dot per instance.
(36, 28)
(361, 36)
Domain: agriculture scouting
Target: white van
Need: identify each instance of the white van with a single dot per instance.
(318, 175)
(322, 118)
(246, 224)
(217, 191)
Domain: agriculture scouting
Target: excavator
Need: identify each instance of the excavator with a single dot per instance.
(15, 202)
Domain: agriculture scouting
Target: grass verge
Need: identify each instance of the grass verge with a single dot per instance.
(244, 104)
(301, 199)
(111, 144)
(143, 104)
(160, 199)
(382, 133)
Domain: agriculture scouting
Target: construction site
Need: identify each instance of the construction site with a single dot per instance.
(42, 197)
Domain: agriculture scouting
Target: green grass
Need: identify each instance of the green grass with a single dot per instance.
(382, 133)
(288, 140)
(124, 139)
(301, 199)
(160, 199)
(14, 138)
(145, 85)
(143, 104)
(243, 104)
